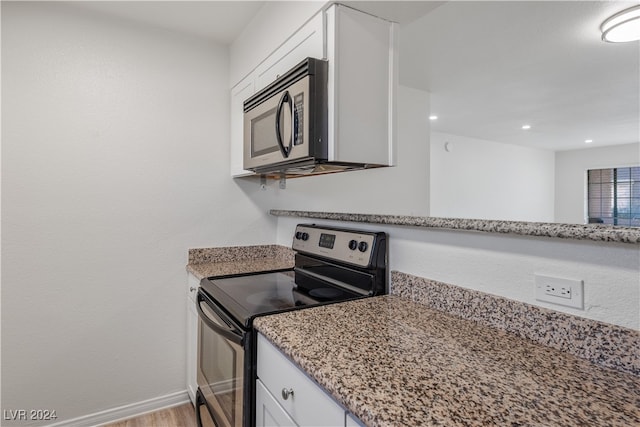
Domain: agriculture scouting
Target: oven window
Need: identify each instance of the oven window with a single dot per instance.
(221, 364)
(263, 134)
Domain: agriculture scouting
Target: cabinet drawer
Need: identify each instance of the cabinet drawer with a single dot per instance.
(309, 405)
(268, 411)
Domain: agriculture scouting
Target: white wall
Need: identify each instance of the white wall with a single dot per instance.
(505, 265)
(402, 189)
(489, 180)
(272, 25)
(571, 176)
(114, 162)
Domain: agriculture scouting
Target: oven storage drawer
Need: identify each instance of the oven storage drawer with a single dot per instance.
(309, 405)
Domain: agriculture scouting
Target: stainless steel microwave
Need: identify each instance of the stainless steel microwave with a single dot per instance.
(285, 124)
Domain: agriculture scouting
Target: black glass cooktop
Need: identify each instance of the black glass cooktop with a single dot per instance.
(249, 295)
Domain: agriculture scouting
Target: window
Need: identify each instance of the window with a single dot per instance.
(614, 196)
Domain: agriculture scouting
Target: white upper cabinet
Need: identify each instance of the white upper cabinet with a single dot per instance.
(308, 41)
(363, 72)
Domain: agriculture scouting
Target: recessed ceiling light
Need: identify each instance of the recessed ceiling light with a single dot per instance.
(622, 27)
(526, 127)
(433, 117)
(588, 141)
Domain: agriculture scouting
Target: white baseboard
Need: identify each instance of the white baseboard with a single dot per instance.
(127, 411)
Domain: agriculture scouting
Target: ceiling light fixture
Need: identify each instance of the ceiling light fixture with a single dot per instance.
(588, 141)
(622, 27)
(526, 127)
(433, 117)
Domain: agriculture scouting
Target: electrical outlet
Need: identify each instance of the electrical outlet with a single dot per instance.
(568, 292)
(557, 290)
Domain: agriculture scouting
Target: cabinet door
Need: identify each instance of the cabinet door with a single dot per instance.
(268, 411)
(363, 73)
(308, 41)
(239, 94)
(192, 348)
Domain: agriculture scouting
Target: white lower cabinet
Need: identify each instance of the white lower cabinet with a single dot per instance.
(285, 396)
(192, 337)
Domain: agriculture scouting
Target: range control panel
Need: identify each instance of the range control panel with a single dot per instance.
(352, 246)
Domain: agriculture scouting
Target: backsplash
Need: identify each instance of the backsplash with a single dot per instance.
(607, 345)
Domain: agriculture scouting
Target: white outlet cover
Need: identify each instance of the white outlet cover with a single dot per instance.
(577, 290)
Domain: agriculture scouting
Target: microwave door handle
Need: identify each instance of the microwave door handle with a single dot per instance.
(284, 98)
(229, 333)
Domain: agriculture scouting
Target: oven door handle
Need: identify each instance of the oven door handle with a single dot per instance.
(231, 333)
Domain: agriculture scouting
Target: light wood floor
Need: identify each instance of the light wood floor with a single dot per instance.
(178, 416)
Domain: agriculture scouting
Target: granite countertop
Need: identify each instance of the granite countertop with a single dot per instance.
(393, 362)
(209, 269)
(220, 261)
(594, 232)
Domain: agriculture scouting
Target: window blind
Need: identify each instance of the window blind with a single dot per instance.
(614, 196)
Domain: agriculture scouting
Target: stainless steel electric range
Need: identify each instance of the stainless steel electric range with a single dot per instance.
(331, 265)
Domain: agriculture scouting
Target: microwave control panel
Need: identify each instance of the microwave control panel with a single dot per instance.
(298, 119)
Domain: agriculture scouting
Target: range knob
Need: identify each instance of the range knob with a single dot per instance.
(305, 236)
(353, 245)
(362, 247)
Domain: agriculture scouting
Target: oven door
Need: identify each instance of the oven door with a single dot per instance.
(220, 363)
(276, 130)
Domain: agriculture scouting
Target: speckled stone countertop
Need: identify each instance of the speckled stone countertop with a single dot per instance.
(596, 232)
(394, 362)
(220, 261)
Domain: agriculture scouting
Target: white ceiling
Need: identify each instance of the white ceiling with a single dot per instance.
(219, 21)
(490, 66)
